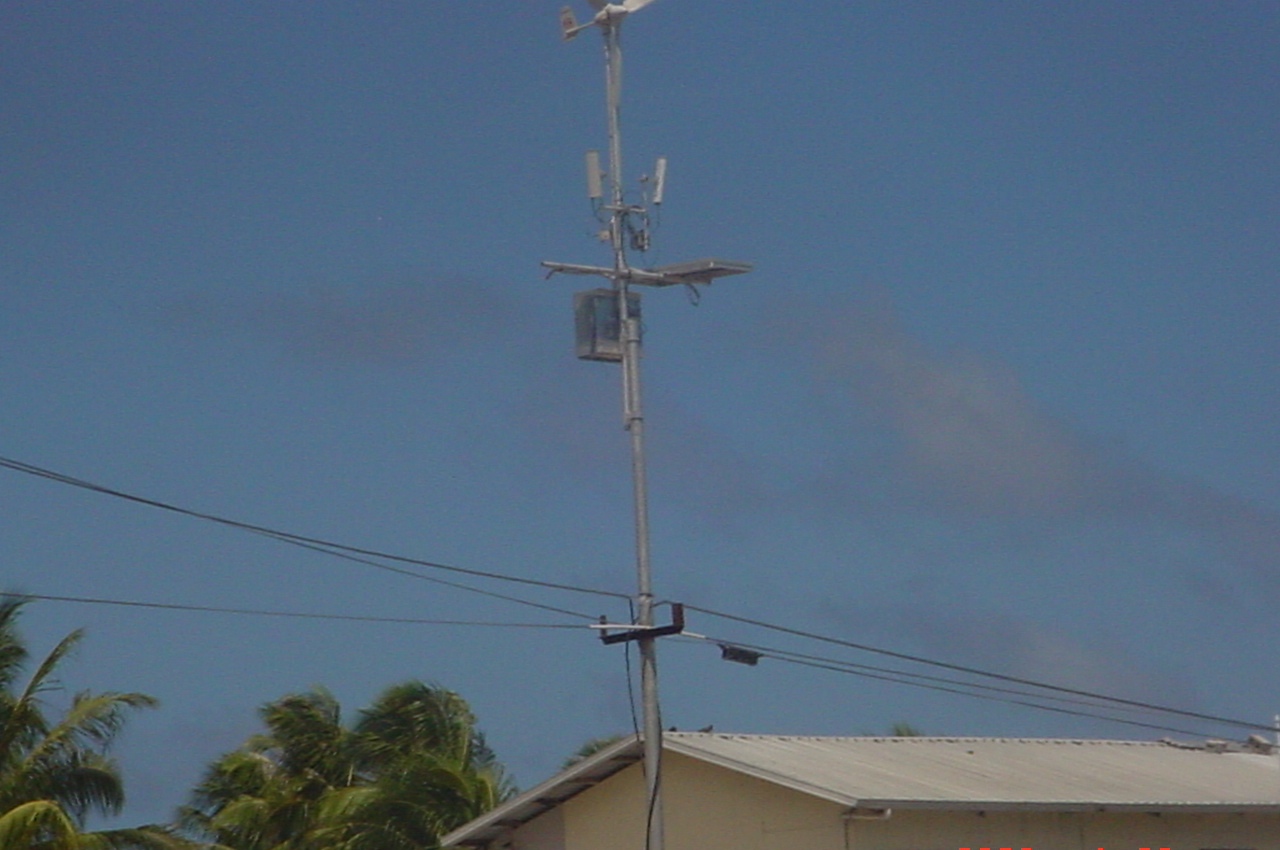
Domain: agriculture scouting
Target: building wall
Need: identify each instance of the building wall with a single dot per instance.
(608, 816)
(710, 808)
(916, 830)
(707, 808)
(542, 833)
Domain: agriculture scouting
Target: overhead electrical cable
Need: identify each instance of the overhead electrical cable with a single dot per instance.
(952, 686)
(300, 615)
(631, 692)
(41, 472)
(789, 655)
(975, 671)
(347, 556)
(353, 553)
(1057, 709)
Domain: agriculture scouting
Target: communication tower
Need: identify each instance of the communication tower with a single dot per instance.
(607, 328)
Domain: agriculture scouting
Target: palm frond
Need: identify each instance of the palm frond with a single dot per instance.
(93, 720)
(53, 775)
(13, 652)
(24, 710)
(412, 768)
(39, 822)
(152, 837)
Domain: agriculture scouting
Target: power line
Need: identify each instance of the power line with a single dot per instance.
(954, 686)
(259, 612)
(975, 671)
(346, 556)
(789, 655)
(901, 677)
(297, 539)
(353, 553)
(989, 697)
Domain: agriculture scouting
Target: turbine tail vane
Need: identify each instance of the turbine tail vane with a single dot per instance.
(569, 26)
(607, 15)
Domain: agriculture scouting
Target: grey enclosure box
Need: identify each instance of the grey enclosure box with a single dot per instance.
(599, 333)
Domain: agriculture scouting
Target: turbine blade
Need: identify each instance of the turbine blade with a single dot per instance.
(635, 5)
(568, 23)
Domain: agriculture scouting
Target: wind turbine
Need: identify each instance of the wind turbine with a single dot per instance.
(609, 18)
(607, 15)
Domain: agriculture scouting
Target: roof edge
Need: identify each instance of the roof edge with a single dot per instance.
(1166, 807)
(619, 755)
(676, 745)
(548, 794)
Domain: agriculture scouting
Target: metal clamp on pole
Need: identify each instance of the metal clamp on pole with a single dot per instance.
(676, 627)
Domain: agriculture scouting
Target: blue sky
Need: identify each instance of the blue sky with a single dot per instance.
(1001, 389)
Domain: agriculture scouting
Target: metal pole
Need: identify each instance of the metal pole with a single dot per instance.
(613, 95)
(633, 417)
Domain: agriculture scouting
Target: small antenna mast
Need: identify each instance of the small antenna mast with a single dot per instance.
(594, 192)
(659, 180)
(608, 323)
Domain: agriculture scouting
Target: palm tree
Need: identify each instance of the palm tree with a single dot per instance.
(434, 770)
(902, 729)
(267, 794)
(53, 775)
(590, 748)
(412, 768)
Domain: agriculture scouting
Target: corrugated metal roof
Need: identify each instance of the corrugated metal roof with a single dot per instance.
(941, 773)
(546, 796)
(995, 773)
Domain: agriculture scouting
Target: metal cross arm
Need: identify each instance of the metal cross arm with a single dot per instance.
(694, 271)
(574, 268)
(699, 271)
(633, 632)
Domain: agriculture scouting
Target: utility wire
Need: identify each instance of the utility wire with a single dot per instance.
(991, 698)
(301, 540)
(351, 553)
(346, 556)
(789, 655)
(953, 686)
(631, 691)
(259, 612)
(975, 671)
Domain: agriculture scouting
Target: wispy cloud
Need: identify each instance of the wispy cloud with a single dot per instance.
(970, 437)
(1024, 647)
(574, 411)
(972, 442)
(388, 323)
